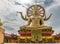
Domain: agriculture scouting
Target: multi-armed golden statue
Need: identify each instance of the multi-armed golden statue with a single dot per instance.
(35, 15)
(35, 18)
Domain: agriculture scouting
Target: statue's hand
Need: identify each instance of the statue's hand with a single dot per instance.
(19, 12)
(48, 17)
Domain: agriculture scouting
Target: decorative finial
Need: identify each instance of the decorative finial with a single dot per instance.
(0, 22)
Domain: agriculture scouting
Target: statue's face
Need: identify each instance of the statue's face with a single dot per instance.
(35, 12)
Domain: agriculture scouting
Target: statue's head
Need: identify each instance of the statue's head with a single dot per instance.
(35, 11)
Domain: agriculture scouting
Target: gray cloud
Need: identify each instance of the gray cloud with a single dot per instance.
(48, 2)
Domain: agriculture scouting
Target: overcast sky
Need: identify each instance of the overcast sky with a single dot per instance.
(12, 20)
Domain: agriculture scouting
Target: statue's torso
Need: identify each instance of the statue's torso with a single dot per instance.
(35, 21)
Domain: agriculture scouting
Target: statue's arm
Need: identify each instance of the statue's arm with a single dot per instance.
(29, 21)
(47, 18)
(23, 16)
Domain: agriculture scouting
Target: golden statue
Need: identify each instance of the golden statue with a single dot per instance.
(35, 15)
(35, 18)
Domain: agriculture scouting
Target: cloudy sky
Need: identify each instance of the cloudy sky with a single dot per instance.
(12, 20)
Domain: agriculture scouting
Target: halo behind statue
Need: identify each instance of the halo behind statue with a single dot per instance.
(37, 8)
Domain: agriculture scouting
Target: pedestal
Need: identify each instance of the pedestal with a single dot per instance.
(36, 33)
